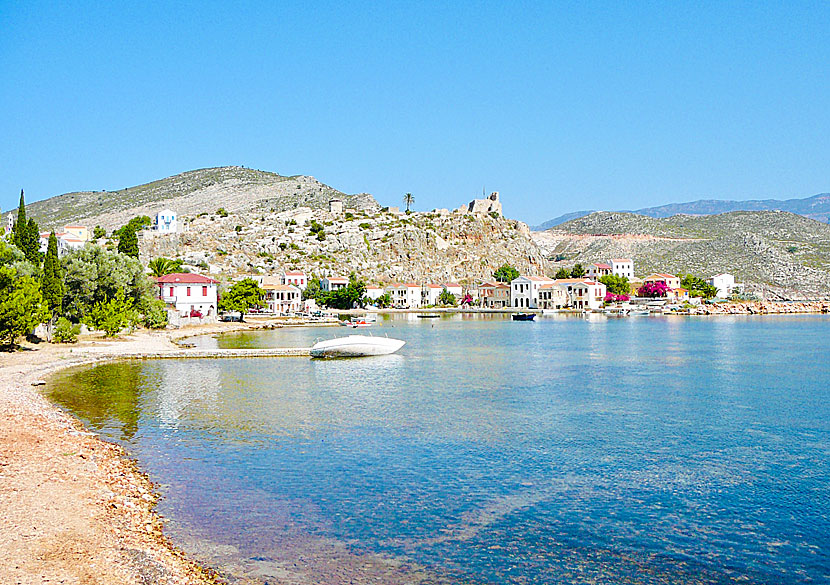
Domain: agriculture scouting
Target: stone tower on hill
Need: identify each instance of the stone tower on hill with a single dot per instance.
(489, 205)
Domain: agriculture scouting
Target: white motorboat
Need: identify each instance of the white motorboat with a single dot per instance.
(356, 346)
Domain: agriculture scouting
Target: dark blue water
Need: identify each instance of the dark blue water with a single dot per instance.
(650, 450)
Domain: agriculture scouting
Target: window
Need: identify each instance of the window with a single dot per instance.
(171, 291)
(188, 291)
(204, 291)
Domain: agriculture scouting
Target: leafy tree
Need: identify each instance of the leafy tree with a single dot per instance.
(698, 287)
(112, 315)
(384, 301)
(66, 331)
(578, 271)
(446, 298)
(562, 273)
(506, 273)
(22, 307)
(93, 275)
(653, 289)
(408, 200)
(241, 297)
(52, 279)
(98, 232)
(128, 243)
(161, 266)
(9, 254)
(312, 289)
(136, 224)
(617, 285)
(347, 297)
(155, 313)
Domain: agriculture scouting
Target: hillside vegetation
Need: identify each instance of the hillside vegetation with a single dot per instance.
(778, 254)
(204, 190)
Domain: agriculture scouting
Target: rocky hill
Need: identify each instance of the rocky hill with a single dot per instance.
(779, 254)
(237, 189)
(816, 207)
(379, 245)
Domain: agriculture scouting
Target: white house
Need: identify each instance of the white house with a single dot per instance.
(430, 294)
(405, 295)
(552, 296)
(455, 290)
(166, 222)
(283, 298)
(332, 283)
(66, 242)
(374, 292)
(582, 293)
(725, 283)
(296, 277)
(189, 294)
(598, 270)
(623, 267)
(524, 291)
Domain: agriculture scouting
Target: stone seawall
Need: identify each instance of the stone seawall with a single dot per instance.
(762, 308)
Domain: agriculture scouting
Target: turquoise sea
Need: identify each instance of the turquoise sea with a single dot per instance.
(568, 450)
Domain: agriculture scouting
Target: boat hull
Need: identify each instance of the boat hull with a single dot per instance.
(356, 346)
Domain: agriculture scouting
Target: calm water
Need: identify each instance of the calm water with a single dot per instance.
(650, 450)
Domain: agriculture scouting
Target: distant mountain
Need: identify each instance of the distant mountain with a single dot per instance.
(816, 207)
(777, 253)
(237, 189)
(561, 219)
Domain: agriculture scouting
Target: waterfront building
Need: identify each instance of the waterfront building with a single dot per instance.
(283, 298)
(552, 296)
(582, 293)
(374, 292)
(494, 295)
(524, 291)
(66, 242)
(454, 289)
(189, 294)
(405, 295)
(430, 294)
(725, 283)
(670, 280)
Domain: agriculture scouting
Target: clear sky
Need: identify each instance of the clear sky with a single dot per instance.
(559, 106)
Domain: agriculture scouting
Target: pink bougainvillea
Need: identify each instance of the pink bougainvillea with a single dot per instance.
(653, 289)
(612, 298)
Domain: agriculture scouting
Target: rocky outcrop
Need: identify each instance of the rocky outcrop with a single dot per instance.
(380, 246)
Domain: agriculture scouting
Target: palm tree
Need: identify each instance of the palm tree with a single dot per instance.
(161, 266)
(408, 200)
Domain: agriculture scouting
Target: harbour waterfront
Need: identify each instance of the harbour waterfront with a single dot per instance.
(652, 450)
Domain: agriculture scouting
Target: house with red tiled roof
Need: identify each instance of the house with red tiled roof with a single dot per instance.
(296, 277)
(454, 289)
(430, 294)
(580, 293)
(283, 298)
(190, 295)
(405, 295)
(494, 295)
(332, 283)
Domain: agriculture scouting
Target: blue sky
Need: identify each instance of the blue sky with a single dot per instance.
(559, 106)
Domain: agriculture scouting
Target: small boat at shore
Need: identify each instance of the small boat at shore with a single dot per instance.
(356, 346)
(524, 316)
(428, 316)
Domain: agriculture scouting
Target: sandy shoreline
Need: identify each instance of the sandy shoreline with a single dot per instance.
(74, 508)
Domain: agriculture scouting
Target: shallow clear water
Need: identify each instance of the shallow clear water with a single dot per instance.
(641, 450)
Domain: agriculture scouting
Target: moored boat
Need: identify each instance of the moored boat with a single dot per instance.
(524, 316)
(356, 346)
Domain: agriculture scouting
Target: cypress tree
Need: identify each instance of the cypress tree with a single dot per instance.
(52, 280)
(128, 242)
(20, 226)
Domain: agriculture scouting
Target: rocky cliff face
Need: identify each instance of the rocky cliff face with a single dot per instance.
(777, 254)
(380, 246)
